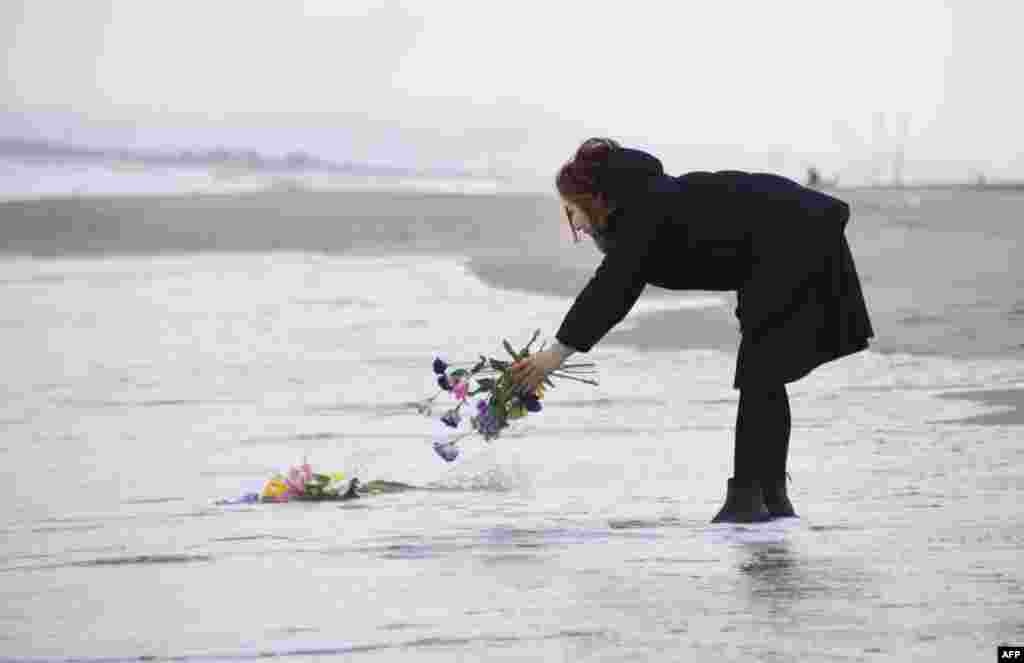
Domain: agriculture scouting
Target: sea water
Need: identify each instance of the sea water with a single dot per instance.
(139, 390)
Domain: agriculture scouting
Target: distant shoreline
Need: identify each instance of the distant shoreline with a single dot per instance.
(34, 151)
(42, 151)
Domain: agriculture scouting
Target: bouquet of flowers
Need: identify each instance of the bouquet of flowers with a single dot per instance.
(301, 483)
(502, 401)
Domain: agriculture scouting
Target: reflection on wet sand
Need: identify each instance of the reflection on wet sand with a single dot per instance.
(781, 578)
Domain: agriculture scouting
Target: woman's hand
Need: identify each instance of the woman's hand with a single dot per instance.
(530, 372)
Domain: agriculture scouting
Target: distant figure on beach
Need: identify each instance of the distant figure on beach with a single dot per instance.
(813, 177)
(816, 181)
(779, 245)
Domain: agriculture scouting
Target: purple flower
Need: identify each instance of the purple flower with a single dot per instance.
(442, 381)
(532, 403)
(451, 418)
(446, 450)
(247, 498)
(439, 366)
(487, 423)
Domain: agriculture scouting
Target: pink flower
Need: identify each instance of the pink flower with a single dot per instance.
(460, 389)
(296, 483)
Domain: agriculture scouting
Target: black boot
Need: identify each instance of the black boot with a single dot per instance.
(776, 499)
(744, 503)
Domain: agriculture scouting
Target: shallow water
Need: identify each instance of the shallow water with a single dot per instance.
(139, 390)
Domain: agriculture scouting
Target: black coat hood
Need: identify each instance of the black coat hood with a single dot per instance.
(626, 174)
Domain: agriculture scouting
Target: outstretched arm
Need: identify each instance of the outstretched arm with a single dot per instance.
(618, 281)
(604, 302)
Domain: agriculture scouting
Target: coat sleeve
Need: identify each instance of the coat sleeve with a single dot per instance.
(618, 281)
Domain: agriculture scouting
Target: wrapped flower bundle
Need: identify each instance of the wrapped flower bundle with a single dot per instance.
(302, 483)
(502, 401)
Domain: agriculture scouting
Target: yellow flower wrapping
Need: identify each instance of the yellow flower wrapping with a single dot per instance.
(274, 488)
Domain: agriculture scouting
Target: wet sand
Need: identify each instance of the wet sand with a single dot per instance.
(1012, 398)
(933, 286)
(330, 222)
(141, 389)
(712, 328)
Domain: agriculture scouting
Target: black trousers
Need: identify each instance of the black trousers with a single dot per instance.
(763, 424)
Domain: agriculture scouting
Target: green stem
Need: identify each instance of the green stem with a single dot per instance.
(575, 379)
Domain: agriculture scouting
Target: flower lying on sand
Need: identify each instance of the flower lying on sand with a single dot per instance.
(502, 400)
(446, 450)
(300, 482)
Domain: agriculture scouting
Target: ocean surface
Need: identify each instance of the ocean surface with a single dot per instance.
(163, 352)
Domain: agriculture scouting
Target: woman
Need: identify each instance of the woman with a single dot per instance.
(779, 245)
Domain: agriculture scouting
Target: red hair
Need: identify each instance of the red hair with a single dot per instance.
(576, 179)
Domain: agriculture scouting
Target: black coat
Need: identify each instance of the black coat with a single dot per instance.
(779, 245)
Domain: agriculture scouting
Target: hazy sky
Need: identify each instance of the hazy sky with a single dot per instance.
(750, 85)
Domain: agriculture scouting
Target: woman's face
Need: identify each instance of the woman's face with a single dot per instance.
(578, 218)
